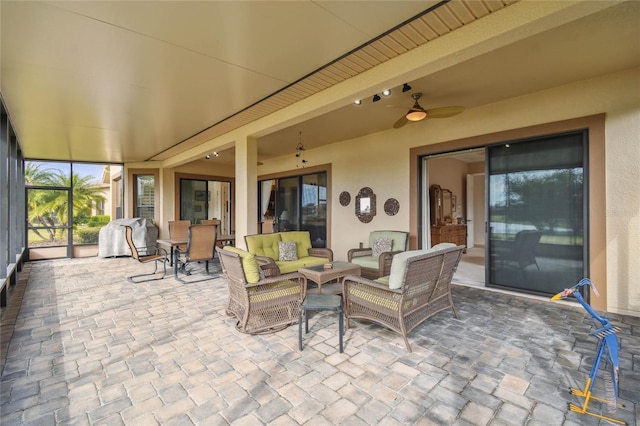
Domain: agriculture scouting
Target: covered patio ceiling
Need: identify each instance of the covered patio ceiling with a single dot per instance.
(133, 81)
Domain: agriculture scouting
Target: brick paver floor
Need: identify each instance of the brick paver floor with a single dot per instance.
(82, 346)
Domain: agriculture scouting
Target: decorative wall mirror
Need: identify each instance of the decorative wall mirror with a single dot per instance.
(447, 206)
(441, 203)
(365, 205)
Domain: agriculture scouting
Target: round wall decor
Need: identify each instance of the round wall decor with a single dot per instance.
(391, 207)
(345, 198)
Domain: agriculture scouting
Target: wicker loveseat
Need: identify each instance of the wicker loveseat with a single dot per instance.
(261, 304)
(373, 264)
(268, 250)
(417, 288)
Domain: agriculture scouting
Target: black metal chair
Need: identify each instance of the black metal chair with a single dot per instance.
(146, 255)
(522, 252)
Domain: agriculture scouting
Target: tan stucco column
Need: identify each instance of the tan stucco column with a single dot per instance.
(246, 191)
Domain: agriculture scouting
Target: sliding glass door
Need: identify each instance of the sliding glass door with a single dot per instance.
(295, 203)
(206, 199)
(537, 214)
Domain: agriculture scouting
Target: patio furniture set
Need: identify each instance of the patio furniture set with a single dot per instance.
(383, 283)
(268, 283)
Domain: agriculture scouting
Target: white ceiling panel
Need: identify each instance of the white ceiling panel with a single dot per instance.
(129, 81)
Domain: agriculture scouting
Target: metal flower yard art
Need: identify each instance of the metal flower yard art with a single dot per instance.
(607, 347)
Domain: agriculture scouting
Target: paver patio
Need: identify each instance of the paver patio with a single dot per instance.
(81, 345)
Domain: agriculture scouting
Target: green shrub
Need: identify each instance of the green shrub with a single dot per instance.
(98, 220)
(88, 235)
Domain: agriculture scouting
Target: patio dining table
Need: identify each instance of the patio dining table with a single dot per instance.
(175, 242)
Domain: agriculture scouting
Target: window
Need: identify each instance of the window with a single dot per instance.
(145, 196)
(66, 205)
(296, 203)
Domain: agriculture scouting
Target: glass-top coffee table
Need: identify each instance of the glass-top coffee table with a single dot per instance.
(320, 275)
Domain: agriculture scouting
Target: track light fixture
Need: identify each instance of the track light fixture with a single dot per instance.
(208, 157)
(406, 87)
(376, 98)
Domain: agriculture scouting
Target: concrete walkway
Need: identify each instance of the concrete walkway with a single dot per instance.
(81, 345)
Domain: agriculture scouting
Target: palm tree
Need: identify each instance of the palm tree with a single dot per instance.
(50, 207)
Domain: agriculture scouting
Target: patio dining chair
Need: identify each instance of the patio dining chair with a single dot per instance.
(217, 223)
(179, 229)
(146, 255)
(201, 243)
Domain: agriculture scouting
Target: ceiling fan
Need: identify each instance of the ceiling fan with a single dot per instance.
(417, 113)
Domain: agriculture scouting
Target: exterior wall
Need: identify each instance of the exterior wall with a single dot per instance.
(623, 205)
(382, 161)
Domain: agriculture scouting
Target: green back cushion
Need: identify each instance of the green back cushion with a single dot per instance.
(264, 245)
(399, 239)
(399, 263)
(302, 239)
(249, 264)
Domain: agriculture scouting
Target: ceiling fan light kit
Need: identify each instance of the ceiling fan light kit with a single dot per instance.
(417, 113)
(414, 115)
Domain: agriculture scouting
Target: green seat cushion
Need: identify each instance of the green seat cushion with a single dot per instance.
(383, 280)
(249, 264)
(287, 266)
(385, 302)
(302, 240)
(264, 245)
(367, 262)
(279, 289)
(399, 263)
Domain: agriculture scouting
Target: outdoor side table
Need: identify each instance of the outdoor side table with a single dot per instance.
(321, 275)
(320, 302)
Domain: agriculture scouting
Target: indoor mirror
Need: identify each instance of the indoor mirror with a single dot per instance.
(441, 203)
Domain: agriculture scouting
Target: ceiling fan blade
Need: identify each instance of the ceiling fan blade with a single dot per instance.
(401, 122)
(444, 112)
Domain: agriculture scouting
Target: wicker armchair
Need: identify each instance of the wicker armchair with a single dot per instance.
(261, 303)
(373, 267)
(417, 288)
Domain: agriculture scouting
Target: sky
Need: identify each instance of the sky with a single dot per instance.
(82, 169)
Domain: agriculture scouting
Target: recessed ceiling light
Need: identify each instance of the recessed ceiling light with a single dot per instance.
(386, 92)
(358, 101)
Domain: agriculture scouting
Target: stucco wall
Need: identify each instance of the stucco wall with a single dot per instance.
(381, 161)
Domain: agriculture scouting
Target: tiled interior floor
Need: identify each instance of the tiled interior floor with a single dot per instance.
(471, 269)
(81, 345)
